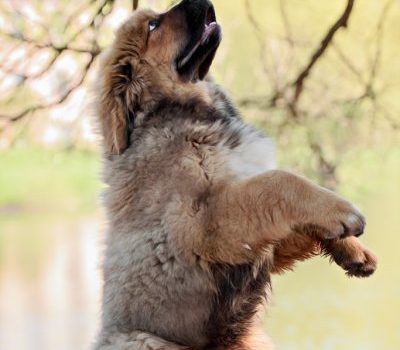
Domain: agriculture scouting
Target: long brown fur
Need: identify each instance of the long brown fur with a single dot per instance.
(197, 223)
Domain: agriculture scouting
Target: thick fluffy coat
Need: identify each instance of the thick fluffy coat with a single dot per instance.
(198, 216)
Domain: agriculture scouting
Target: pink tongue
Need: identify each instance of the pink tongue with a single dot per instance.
(207, 31)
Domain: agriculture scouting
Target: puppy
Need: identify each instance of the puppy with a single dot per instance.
(198, 217)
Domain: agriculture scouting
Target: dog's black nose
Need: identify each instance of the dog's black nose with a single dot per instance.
(196, 2)
(195, 5)
(195, 12)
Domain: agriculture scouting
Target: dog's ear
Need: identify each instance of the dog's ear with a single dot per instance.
(118, 103)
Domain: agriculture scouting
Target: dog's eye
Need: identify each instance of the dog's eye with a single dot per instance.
(153, 24)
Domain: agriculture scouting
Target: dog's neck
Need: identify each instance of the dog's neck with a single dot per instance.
(167, 85)
(165, 90)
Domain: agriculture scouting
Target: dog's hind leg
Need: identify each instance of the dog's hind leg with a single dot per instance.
(136, 341)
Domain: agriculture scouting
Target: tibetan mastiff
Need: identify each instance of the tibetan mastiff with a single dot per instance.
(198, 217)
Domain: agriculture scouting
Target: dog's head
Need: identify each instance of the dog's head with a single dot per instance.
(154, 56)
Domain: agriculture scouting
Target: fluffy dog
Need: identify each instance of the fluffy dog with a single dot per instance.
(198, 217)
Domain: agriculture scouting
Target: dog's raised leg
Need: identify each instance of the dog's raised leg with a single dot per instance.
(239, 219)
(295, 248)
(349, 253)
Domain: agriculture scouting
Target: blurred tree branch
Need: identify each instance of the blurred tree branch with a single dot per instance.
(299, 81)
(287, 96)
(325, 42)
(56, 102)
(34, 46)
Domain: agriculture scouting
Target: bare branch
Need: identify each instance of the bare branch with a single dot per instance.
(261, 38)
(99, 14)
(102, 9)
(348, 63)
(60, 100)
(260, 102)
(12, 68)
(251, 17)
(324, 44)
(395, 125)
(327, 169)
(77, 11)
(46, 68)
(379, 41)
(286, 22)
(49, 45)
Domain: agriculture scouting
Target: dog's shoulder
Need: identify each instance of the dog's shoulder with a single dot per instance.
(215, 128)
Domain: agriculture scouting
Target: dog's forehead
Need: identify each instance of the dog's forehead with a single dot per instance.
(141, 16)
(136, 23)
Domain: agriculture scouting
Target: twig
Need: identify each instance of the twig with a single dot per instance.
(327, 169)
(348, 63)
(98, 14)
(49, 45)
(379, 41)
(261, 102)
(261, 38)
(251, 17)
(286, 22)
(103, 8)
(324, 44)
(60, 100)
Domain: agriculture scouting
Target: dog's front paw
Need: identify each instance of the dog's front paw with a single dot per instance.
(352, 256)
(361, 265)
(335, 218)
(344, 221)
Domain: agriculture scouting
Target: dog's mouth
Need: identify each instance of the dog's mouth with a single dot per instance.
(196, 59)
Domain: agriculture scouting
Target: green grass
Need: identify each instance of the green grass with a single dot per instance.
(32, 178)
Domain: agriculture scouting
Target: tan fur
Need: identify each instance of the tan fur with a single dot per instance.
(196, 224)
(352, 256)
(150, 71)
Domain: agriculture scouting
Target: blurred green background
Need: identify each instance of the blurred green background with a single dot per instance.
(343, 132)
